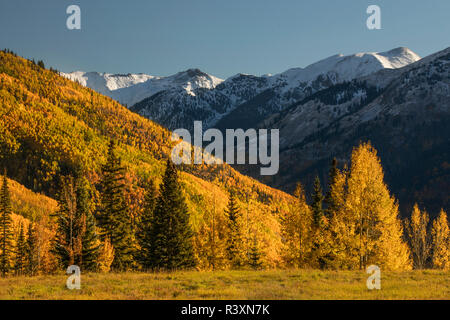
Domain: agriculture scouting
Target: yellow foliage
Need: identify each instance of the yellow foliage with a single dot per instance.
(106, 256)
(441, 242)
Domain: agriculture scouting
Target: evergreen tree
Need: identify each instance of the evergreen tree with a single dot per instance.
(76, 241)
(319, 250)
(316, 206)
(234, 239)
(65, 243)
(332, 176)
(145, 227)
(21, 252)
(31, 251)
(441, 242)
(113, 217)
(255, 255)
(88, 233)
(5, 228)
(170, 233)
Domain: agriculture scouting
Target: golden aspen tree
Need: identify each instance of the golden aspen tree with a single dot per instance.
(296, 224)
(419, 239)
(441, 242)
(378, 229)
(106, 256)
(341, 232)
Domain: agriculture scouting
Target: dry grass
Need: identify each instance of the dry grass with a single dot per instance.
(273, 284)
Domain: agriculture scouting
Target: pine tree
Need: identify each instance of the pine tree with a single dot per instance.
(441, 242)
(5, 228)
(65, 243)
(255, 255)
(145, 227)
(88, 230)
(31, 251)
(319, 246)
(76, 241)
(316, 205)
(419, 238)
(113, 216)
(171, 234)
(234, 239)
(332, 176)
(21, 253)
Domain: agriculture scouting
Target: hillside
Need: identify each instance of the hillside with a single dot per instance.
(51, 126)
(404, 112)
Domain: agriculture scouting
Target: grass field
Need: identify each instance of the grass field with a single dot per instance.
(273, 284)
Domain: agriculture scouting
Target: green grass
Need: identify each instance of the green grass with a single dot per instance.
(273, 284)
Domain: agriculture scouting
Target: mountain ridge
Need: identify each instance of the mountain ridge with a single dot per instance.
(176, 104)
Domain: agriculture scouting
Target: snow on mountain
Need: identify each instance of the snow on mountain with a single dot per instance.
(296, 84)
(241, 100)
(105, 83)
(345, 68)
(131, 88)
(404, 112)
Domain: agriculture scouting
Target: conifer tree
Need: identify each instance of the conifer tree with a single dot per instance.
(113, 216)
(419, 238)
(145, 226)
(88, 231)
(441, 242)
(255, 255)
(171, 235)
(65, 244)
(76, 241)
(20, 261)
(316, 206)
(5, 228)
(332, 176)
(319, 249)
(234, 239)
(31, 251)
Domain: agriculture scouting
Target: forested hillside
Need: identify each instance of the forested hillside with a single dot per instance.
(51, 127)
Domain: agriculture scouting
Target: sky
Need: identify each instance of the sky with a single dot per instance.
(220, 37)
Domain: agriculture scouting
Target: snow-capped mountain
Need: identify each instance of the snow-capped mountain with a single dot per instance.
(404, 113)
(296, 84)
(131, 88)
(242, 101)
(239, 101)
(174, 108)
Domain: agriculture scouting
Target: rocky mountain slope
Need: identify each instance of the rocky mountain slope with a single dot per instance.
(404, 112)
(241, 100)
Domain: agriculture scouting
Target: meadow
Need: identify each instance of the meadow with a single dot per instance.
(264, 285)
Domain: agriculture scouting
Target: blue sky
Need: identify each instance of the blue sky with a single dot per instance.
(221, 37)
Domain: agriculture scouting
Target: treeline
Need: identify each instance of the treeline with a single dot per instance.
(353, 225)
(356, 224)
